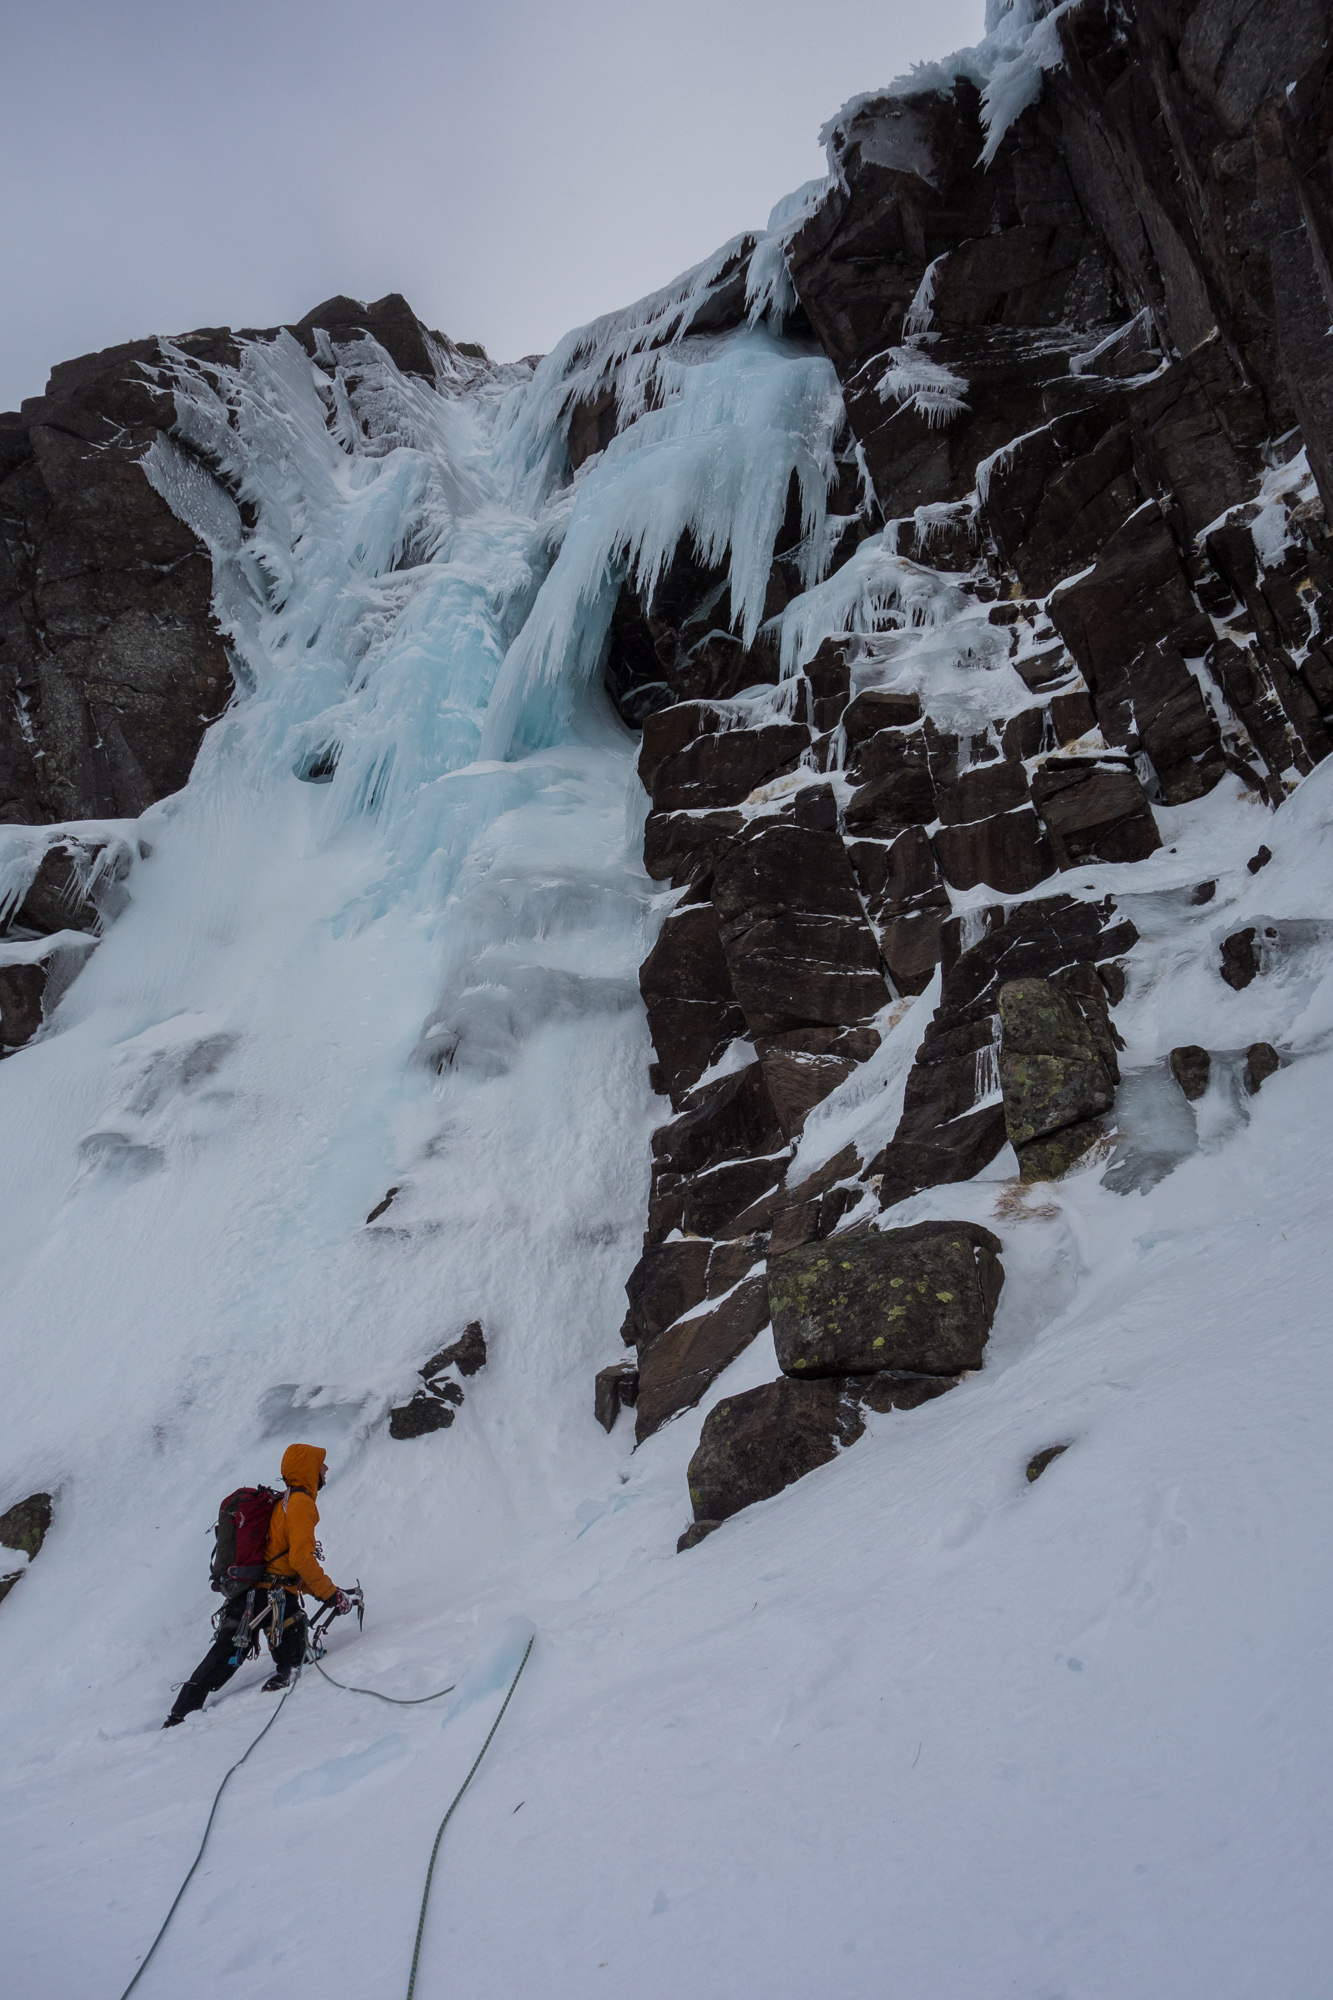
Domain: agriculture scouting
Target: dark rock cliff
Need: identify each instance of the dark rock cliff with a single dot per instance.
(110, 664)
(1067, 374)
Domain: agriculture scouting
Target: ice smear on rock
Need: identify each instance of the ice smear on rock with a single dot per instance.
(875, 590)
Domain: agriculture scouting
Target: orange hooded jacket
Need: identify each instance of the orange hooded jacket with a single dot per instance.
(290, 1553)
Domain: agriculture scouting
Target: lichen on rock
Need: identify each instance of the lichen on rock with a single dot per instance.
(1054, 1075)
(919, 1300)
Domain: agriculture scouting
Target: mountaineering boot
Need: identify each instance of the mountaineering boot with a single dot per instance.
(190, 1697)
(276, 1682)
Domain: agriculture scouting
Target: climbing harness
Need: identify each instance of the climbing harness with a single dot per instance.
(425, 1894)
(313, 1653)
(245, 1644)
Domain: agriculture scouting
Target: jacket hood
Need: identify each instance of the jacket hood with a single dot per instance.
(302, 1465)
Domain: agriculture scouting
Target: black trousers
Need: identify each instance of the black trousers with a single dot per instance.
(224, 1656)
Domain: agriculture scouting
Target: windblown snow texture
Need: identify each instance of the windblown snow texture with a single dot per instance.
(916, 1725)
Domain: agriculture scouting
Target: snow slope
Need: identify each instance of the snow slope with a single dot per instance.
(913, 1727)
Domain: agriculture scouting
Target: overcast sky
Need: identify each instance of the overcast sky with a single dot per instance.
(514, 167)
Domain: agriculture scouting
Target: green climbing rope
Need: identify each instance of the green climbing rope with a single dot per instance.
(202, 1845)
(398, 1700)
(425, 1894)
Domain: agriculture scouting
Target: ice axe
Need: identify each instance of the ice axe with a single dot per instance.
(329, 1612)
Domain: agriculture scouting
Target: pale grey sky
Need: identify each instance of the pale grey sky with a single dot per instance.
(514, 168)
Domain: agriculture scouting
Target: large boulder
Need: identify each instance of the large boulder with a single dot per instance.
(919, 1300)
(24, 1526)
(1240, 958)
(754, 1444)
(1261, 1061)
(1192, 1067)
(1054, 1074)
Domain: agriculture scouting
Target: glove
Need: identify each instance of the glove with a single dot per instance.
(342, 1603)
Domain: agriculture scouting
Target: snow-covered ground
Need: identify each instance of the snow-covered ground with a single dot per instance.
(915, 1727)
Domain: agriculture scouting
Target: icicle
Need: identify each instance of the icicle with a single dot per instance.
(987, 1085)
(926, 386)
(920, 312)
(739, 418)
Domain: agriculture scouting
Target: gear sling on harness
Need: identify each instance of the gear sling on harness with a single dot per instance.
(248, 1632)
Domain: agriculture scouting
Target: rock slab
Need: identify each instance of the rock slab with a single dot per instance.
(918, 1300)
(754, 1444)
(1055, 1076)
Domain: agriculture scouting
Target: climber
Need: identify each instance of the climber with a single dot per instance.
(291, 1566)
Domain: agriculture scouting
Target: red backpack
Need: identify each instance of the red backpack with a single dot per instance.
(241, 1537)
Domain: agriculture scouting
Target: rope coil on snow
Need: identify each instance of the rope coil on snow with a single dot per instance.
(430, 1871)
